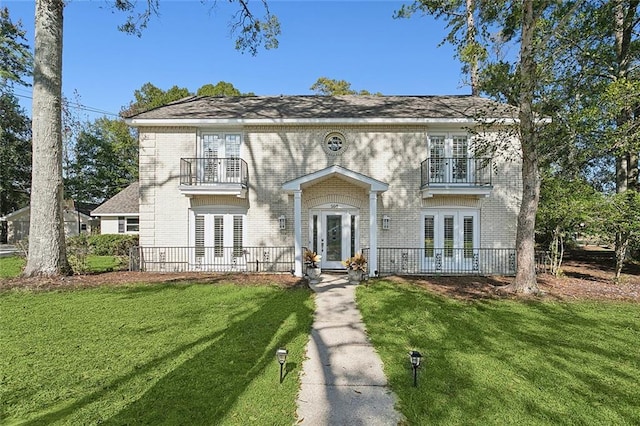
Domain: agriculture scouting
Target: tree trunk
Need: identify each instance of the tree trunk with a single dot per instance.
(47, 254)
(626, 162)
(622, 242)
(525, 281)
(471, 41)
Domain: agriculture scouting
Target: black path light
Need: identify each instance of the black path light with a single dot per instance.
(281, 354)
(415, 363)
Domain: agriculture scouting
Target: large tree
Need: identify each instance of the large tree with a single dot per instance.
(47, 255)
(15, 127)
(15, 154)
(15, 56)
(331, 87)
(105, 161)
(461, 17)
(533, 27)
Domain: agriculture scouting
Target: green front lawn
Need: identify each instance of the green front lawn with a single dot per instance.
(12, 266)
(152, 354)
(506, 362)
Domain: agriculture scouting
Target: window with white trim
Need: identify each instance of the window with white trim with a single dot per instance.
(128, 225)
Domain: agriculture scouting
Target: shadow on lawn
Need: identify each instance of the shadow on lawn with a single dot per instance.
(204, 388)
(543, 361)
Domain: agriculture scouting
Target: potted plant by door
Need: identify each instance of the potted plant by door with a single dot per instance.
(356, 267)
(311, 259)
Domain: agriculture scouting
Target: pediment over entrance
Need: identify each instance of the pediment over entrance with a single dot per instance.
(335, 171)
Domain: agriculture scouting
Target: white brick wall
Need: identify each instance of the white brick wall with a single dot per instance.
(277, 154)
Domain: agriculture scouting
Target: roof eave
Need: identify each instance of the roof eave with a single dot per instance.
(203, 122)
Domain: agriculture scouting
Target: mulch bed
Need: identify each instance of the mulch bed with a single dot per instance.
(581, 280)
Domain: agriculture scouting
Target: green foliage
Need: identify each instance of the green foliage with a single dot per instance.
(182, 353)
(149, 97)
(106, 161)
(15, 154)
(77, 253)
(112, 244)
(16, 60)
(505, 362)
(566, 206)
(252, 32)
(221, 88)
(330, 87)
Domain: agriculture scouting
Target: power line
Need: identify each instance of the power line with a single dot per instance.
(76, 105)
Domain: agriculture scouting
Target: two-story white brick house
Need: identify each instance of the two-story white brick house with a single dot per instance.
(247, 183)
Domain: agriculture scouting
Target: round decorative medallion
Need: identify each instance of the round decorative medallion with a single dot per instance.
(334, 143)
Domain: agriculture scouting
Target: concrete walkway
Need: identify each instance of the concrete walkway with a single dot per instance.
(342, 378)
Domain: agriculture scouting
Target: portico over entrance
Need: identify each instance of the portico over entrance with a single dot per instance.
(336, 224)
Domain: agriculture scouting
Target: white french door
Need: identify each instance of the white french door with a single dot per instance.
(333, 234)
(451, 239)
(449, 159)
(220, 157)
(218, 241)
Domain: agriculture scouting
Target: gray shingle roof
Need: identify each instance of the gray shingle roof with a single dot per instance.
(124, 202)
(329, 107)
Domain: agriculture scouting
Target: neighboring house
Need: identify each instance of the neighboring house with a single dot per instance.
(248, 183)
(119, 214)
(75, 222)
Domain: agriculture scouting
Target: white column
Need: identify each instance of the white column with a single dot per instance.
(373, 233)
(297, 229)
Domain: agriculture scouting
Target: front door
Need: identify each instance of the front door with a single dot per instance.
(333, 236)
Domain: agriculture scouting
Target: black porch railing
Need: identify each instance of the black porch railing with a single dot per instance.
(445, 261)
(460, 171)
(208, 171)
(212, 259)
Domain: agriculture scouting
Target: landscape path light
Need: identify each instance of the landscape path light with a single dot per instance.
(281, 355)
(415, 363)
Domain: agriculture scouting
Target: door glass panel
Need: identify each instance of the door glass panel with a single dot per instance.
(468, 237)
(218, 236)
(237, 236)
(334, 238)
(232, 152)
(315, 248)
(459, 153)
(437, 154)
(211, 153)
(448, 236)
(199, 240)
(353, 236)
(429, 236)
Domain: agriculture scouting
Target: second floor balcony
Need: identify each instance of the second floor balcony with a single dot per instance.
(456, 176)
(214, 176)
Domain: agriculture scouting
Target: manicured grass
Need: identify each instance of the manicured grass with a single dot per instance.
(506, 362)
(152, 354)
(11, 267)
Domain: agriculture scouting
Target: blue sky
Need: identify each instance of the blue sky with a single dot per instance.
(190, 44)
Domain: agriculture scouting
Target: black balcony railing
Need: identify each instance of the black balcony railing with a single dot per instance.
(460, 171)
(212, 259)
(208, 171)
(445, 261)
